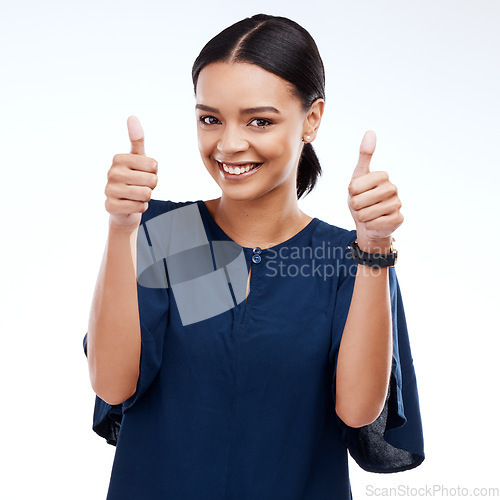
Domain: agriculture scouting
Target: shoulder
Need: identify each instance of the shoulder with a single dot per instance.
(336, 239)
(159, 207)
(335, 235)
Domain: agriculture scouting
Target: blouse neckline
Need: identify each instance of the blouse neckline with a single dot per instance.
(310, 225)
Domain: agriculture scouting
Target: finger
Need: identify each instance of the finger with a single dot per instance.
(367, 182)
(136, 135)
(386, 207)
(369, 197)
(137, 178)
(133, 162)
(132, 193)
(382, 223)
(130, 177)
(366, 151)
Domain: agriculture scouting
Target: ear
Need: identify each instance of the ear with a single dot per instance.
(313, 119)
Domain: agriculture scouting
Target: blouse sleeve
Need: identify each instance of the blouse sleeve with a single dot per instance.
(153, 303)
(394, 441)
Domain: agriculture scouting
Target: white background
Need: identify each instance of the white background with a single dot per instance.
(424, 75)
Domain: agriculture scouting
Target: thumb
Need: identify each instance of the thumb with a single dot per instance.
(136, 135)
(366, 151)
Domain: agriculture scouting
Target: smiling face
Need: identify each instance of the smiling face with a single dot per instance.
(248, 118)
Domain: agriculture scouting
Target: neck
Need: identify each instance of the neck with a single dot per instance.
(263, 222)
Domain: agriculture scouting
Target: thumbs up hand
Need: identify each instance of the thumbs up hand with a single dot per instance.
(373, 201)
(131, 180)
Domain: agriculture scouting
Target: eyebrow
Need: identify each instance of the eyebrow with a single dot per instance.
(247, 111)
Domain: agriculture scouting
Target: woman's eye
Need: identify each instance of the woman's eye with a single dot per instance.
(261, 122)
(208, 120)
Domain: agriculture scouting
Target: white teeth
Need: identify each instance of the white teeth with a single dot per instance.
(238, 170)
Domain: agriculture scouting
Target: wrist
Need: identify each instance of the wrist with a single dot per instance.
(116, 228)
(379, 245)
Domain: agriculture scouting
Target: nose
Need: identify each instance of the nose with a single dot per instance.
(232, 140)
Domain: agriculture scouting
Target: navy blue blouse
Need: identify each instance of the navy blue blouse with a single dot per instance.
(236, 396)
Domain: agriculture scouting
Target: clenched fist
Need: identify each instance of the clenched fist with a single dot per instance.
(373, 201)
(131, 179)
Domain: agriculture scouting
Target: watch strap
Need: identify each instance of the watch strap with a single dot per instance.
(375, 260)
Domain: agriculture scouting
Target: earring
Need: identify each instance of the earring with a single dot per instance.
(308, 138)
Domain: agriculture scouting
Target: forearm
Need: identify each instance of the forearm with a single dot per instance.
(365, 354)
(114, 338)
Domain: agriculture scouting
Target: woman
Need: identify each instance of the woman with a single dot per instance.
(239, 347)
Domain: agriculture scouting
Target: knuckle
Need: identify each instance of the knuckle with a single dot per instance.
(144, 193)
(111, 176)
(391, 188)
(381, 175)
(109, 205)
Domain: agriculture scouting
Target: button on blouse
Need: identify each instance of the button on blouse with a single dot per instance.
(256, 258)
